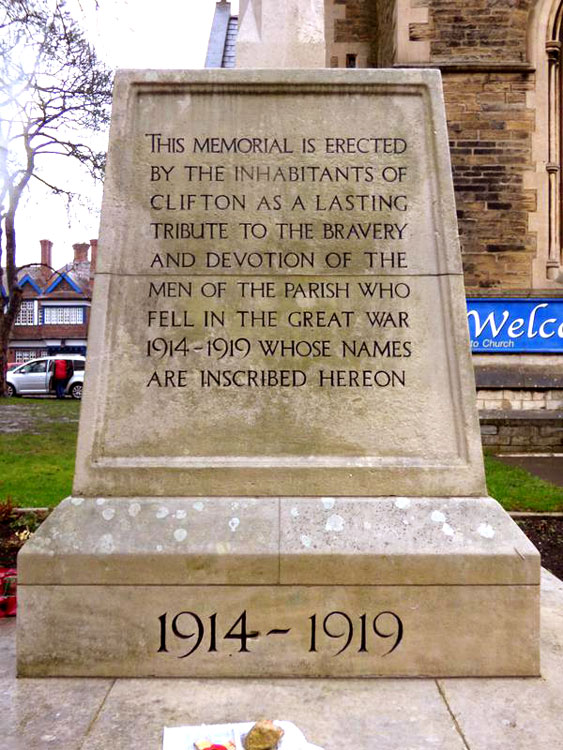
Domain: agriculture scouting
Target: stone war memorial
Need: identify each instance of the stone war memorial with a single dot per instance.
(279, 470)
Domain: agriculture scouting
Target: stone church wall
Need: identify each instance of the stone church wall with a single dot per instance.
(490, 127)
(484, 30)
(489, 85)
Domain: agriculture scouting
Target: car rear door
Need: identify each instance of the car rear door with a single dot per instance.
(78, 368)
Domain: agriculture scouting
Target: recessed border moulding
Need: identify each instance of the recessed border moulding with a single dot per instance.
(438, 415)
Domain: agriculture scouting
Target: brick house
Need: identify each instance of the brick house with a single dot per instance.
(500, 62)
(55, 309)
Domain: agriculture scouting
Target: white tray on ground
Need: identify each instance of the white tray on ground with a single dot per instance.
(183, 738)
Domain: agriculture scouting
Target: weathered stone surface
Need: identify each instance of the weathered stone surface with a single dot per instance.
(428, 563)
(400, 713)
(288, 541)
(499, 714)
(423, 630)
(75, 714)
(42, 714)
(365, 406)
(401, 540)
(279, 468)
(291, 35)
(157, 541)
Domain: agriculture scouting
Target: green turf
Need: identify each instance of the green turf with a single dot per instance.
(518, 490)
(37, 461)
(37, 450)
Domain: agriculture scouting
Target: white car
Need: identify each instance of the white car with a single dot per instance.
(35, 378)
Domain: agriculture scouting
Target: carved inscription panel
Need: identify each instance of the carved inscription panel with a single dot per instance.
(280, 275)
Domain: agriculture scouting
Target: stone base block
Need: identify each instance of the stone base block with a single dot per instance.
(232, 587)
(282, 631)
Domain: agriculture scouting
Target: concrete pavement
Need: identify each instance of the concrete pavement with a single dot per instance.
(387, 714)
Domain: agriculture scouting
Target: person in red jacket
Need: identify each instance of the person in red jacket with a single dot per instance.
(60, 377)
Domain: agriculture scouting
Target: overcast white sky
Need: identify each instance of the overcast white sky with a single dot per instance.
(126, 34)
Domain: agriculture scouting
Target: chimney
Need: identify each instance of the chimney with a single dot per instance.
(80, 252)
(93, 257)
(46, 246)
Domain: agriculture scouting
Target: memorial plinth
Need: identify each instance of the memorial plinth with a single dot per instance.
(279, 469)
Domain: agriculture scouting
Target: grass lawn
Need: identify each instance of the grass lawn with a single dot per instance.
(518, 490)
(37, 449)
(38, 444)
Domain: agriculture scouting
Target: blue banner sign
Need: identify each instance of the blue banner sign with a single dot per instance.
(508, 326)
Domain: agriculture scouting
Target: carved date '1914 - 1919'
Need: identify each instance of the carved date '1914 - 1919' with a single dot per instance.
(336, 625)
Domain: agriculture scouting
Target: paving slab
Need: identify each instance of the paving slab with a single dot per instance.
(497, 714)
(390, 714)
(39, 714)
(387, 714)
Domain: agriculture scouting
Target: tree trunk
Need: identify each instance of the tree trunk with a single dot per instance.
(7, 318)
(4, 338)
(9, 313)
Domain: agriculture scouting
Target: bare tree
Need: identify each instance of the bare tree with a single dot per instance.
(53, 91)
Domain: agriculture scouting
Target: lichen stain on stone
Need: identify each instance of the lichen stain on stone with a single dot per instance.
(77, 500)
(180, 514)
(403, 503)
(305, 540)
(134, 509)
(486, 531)
(105, 545)
(184, 103)
(437, 516)
(447, 529)
(180, 535)
(294, 512)
(234, 524)
(334, 523)
(108, 513)
(199, 506)
(162, 512)
(328, 502)
(100, 501)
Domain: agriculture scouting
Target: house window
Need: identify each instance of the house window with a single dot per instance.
(351, 61)
(25, 315)
(66, 315)
(24, 355)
